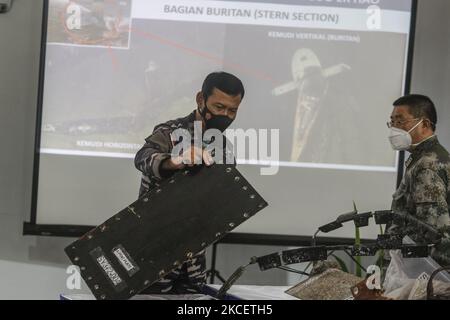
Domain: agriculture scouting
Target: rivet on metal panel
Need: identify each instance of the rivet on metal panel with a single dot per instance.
(89, 278)
(245, 188)
(131, 209)
(76, 259)
(103, 297)
(131, 292)
(252, 196)
(217, 234)
(89, 237)
(102, 228)
(228, 170)
(176, 263)
(145, 199)
(83, 268)
(96, 287)
(172, 181)
(117, 218)
(246, 215)
(189, 255)
(186, 172)
(237, 179)
(158, 190)
(161, 273)
(203, 244)
(147, 282)
(231, 225)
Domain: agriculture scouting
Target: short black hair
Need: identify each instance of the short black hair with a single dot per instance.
(223, 81)
(419, 106)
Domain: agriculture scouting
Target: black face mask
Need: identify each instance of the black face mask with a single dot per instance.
(215, 122)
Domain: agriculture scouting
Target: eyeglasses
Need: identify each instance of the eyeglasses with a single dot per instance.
(399, 123)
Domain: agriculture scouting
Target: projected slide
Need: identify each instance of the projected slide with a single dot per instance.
(322, 72)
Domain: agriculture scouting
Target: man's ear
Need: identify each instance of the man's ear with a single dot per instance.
(428, 125)
(199, 98)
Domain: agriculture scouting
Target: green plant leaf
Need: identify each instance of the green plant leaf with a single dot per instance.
(380, 259)
(341, 263)
(358, 271)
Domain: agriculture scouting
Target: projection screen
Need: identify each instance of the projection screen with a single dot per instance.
(322, 73)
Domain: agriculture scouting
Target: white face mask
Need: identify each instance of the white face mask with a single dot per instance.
(400, 139)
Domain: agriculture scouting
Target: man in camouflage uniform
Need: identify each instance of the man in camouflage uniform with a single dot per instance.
(217, 106)
(424, 191)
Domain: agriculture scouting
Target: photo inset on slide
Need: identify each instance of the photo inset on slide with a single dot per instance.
(104, 23)
(310, 80)
(321, 89)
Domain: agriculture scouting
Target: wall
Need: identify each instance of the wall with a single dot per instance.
(30, 267)
(431, 68)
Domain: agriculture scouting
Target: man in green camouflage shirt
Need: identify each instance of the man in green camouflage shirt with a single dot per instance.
(424, 191)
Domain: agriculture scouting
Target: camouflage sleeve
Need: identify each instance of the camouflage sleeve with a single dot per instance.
(156, 149)
(429, 196)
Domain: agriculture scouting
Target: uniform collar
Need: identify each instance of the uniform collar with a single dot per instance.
(425, 145)
(420, 149)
